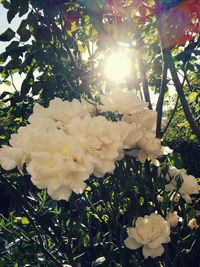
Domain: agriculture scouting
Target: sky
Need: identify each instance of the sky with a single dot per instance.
(3, 27)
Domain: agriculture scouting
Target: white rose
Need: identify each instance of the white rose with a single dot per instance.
(189, 184)
(150, 232)
(10, 157)
(172, 218)
(192, 224)
(130, 133)
(100, 140)
(148, 147)
(61, 111)
(61, 168)
(146, 118)
(122, 102)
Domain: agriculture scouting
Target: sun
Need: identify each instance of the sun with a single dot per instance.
(117, 66)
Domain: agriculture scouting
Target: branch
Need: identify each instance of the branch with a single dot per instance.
(30, 239)
(179, 89)
(78, 73)
(58, 2)
(169, 61)
(172, 115)
(55, 235)
(144, 83)
(159, 107)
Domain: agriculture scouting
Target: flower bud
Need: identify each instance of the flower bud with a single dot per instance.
(159, 198)
(193, 224)
(172, 218)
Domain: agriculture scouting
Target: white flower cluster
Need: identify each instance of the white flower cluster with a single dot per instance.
(150, 232)
(64, 144)
(135, 112)
(188, 186)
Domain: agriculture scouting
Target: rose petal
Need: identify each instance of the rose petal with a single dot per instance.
(131, 243)
(148, 252)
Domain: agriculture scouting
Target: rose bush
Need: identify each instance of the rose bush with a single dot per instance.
(66, 143)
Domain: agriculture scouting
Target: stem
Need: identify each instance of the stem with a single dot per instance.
(79, 75)
(144, 83)
(92, 207)
(13, 84)
(30, 239)
(169, 61)
(172, 115)
(181, 94)
(55, 236)
(159, 107)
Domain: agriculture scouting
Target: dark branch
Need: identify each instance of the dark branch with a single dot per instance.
(159, 107)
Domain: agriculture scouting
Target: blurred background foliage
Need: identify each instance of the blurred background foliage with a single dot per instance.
(59, 50)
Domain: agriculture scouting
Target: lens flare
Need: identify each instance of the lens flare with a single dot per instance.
(117, 66)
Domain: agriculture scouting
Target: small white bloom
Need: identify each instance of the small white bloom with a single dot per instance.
(122, 102)
(148, 147)
(10, 157)
(150, 232)
(146, 118)
(159, 198)
(192, 224)
(60, 112)
(130, 134)
(189, 184)
(101, 141)
(172, 218)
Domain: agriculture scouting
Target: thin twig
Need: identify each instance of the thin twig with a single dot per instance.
(172, 116)
(13, 84)
(30, 239)
(159, 107)
(25, 204)
(181, 94)
(144, 83)
(79, 76)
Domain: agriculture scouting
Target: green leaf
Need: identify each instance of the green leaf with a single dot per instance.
(193, 96)
(2, 263)
(13, 44)
(176, 160)
(25, 220)
(99, 261)
(23, 8)
(5, 4)
(18, 119)
(7, 82)
(3, 57)
(26, 85)
(51, 84)
(42, 33)
(36, 88)
(25, 88)
(13, 10)
(23, 32)
(8, 35)
(13, 64)
(141, 201)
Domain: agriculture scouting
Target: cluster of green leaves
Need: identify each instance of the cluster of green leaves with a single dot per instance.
(90, 228)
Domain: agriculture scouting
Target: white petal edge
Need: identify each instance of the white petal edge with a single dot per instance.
(131, 243)
(156, 252)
